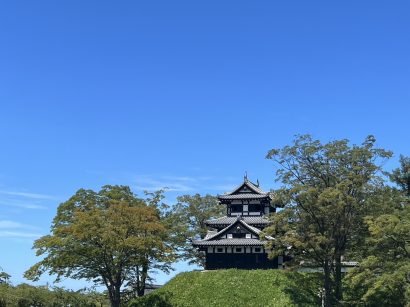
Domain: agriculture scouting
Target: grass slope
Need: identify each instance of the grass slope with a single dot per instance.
(235, 288)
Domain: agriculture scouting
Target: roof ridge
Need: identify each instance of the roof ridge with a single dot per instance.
(256, 187)
(258, 231)
(216, 234)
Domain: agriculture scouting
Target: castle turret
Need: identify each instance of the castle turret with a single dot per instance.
(235, 239)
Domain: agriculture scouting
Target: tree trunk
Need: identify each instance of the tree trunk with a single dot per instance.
(144, 274)
(110, 293)
(327, 284)
(116, 297)
(338, 278)
(115, 303)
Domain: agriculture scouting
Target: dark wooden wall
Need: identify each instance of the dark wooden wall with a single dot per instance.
(215, 261)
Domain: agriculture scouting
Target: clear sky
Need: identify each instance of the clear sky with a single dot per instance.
(183, 94)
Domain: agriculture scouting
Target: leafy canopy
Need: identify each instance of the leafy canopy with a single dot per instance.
(324, 193)
(101, 236)
(383, 277)
(187, 221)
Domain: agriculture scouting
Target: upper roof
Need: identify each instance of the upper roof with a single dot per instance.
(246, 190)
(248, 185)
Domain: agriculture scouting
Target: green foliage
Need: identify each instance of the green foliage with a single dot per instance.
(187, 221)
(401, 175)
(4, 277)
(108, 237)
(235, 288)
(379, 201)
(157, 299)
(383, 278)
(325, 188)
(29, 296)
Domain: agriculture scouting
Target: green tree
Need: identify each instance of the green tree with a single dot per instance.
(101, 237)
(140, 274)
(401, 175)
(324, 193)
(4, 277)
(383, 277)
(25, 295)
(187, 219)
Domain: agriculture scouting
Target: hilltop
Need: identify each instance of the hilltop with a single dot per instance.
(235, 288)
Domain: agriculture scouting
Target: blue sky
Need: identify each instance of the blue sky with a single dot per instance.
(183, 94)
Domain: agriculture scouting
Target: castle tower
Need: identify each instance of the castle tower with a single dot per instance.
(234, 240)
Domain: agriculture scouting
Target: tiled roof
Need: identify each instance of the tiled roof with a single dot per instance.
(230, 242)
(254, 229)
(238, 219)
(244, 196)
(210, 233)
(211, 238)
(254, 187)
(250, 220)
(250, 185)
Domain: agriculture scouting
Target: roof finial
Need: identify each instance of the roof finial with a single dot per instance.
(245, 177)
(257, 183)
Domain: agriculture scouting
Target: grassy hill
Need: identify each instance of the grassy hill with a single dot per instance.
(235, 288)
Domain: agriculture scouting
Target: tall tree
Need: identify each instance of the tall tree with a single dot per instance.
(188, 218)
(324, 191)
(383, 277)
(102, 237)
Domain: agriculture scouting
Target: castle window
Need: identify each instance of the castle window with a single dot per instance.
(220, 249)
(254, 207)
(236, 208)
(238, 250)
(257, 250)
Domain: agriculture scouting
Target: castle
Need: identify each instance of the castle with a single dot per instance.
(234, 240)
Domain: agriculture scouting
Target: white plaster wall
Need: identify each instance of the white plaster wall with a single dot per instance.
(254, 213)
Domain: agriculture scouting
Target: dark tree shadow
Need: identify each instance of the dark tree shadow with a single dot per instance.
(155, 299)
(304, 289)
